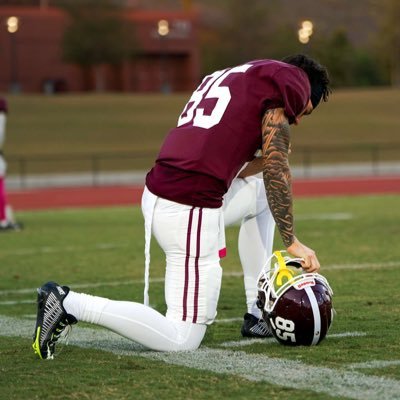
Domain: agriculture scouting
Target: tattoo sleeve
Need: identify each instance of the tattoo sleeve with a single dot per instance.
(276, 171)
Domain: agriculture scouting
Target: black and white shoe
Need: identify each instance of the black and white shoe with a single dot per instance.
(51, 320)
(11, 226)
(255, 327)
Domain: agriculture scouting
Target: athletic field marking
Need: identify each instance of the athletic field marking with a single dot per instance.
(346, 334)
(110, 246)
(15, 302)
(249, 342)
(253, 367)
(375, 364)
(84, 286)
(325, 217)
(74, 286)
(389, 264)
(67, 249)
(228, 320)
(318, 217)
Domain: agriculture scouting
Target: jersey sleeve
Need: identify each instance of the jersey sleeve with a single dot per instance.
(294, 89)
(3, 105)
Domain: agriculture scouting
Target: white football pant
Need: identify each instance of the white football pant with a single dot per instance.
(191, 238)
(246, 203)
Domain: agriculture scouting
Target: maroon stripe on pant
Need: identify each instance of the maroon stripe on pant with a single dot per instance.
(185, 289)
(196, 268)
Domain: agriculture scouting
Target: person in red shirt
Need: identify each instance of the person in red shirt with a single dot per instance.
(234, 126)
(7, 222)
(3, 165)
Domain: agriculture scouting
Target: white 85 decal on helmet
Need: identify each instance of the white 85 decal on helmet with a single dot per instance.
(296, 305)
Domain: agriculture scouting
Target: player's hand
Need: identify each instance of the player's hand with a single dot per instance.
(310, 261)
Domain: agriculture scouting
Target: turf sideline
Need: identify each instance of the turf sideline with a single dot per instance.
(252, 367)
(96, 196)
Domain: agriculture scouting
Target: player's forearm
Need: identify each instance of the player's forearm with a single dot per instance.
(279, 196)
(276, 173)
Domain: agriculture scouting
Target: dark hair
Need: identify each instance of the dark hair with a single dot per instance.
(317, 75)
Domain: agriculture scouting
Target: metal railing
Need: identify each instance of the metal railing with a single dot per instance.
(21, 167)
(373, 155)
(303, 158)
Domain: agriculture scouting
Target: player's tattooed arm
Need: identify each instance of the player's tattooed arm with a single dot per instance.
(276, 173)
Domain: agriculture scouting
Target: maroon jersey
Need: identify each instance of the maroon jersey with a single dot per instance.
(3, 105)
(220, 129)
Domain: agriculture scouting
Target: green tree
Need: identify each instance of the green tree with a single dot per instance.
(347, 65)
(388, 17)
(234, 32)
(97, 34)
(337, 54)
(285, 42)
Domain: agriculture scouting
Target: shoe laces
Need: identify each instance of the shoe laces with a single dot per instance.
(62, 331)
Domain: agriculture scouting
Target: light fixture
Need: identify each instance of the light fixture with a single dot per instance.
(163, 27)
(305, 32)
(12, 24)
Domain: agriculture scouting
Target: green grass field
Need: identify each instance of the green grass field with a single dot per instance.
(100, 251)
(132, 124)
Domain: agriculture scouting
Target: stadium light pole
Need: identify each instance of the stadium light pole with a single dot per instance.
(12, 28)
(163, 32)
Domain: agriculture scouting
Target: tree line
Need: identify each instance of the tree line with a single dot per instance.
(98, 34)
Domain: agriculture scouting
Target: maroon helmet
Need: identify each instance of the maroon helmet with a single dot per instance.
(296, 305)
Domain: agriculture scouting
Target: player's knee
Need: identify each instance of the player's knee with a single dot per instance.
(190, 336)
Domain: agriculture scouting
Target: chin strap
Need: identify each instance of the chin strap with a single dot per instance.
(284, 272)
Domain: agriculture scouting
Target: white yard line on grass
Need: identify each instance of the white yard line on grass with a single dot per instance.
(16, 302)
(74, 286)
(28, 251)
(253, 367)
(109, 246)
(346, 334)
(84, 286)
(375, 364)
(248, 342)
(389, 264)
(325, 217)
(228, 320)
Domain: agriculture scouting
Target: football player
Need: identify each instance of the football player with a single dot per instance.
(232, 115)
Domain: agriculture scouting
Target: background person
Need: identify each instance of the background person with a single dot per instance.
(7, 222)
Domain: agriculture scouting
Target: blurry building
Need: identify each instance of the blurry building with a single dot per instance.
(31, 53)
(31, 56)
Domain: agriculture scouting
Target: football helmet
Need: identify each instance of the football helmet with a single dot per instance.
(296, 305)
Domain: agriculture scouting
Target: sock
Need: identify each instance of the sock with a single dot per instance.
(255, 246)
